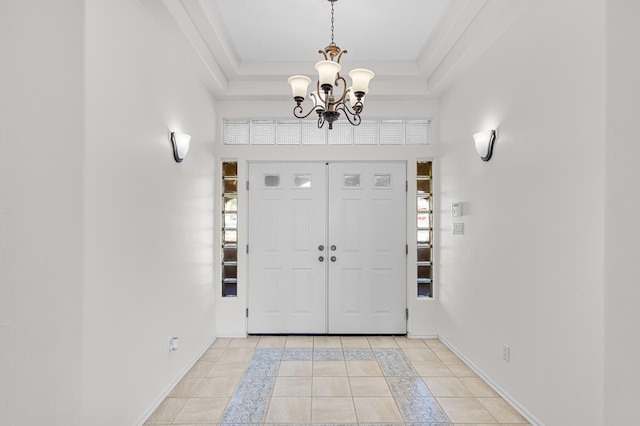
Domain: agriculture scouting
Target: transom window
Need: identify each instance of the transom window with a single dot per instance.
(306, 132)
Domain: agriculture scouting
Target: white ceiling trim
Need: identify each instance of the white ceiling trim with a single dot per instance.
(204, 18)
(174, 26)
(460, 16)
(467, 29)
(491, 21)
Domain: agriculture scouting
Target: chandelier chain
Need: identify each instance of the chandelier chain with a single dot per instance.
(332, 42)
(328, 102)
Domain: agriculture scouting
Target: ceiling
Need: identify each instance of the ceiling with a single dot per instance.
(246, 49)
(294, 30)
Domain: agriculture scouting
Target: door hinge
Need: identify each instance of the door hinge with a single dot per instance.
(406, 186)
(247, 185)
(406, 251)
(247, 313)
(407, 313)
(247, 248)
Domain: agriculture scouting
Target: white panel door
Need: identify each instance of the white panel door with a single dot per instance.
(367, 248)
(287, 270)
(327, 248)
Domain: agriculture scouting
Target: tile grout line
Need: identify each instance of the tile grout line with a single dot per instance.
(399, 356)
(257, 384)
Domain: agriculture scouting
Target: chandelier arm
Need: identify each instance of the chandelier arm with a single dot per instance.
(356, 110)
(344, 90)
(326, 58)
(340, 55)
(320, 121)
(352, 117)
(298, 112)
(316, 101)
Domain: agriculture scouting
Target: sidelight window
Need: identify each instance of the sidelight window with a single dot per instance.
(229, 229)
(424, 224)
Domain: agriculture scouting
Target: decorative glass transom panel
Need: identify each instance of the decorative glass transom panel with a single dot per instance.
(306, 132)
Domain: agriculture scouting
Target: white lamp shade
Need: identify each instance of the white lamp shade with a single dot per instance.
(360, 79)
(180, 142)
(327, 72)
(484, 143)
(299, 85)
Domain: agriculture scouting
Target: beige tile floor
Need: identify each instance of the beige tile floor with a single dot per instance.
(332, 391)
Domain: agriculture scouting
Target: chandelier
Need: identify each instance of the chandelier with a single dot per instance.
(328, 100)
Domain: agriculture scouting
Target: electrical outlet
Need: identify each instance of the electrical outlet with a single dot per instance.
(173, 344)
(506, 353)
(458, 228)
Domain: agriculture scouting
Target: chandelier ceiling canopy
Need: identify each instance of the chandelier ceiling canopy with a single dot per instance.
(332, 95)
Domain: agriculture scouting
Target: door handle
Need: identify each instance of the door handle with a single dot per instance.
(321, 247)
(333, 258)
(321, 258)
(333, 248)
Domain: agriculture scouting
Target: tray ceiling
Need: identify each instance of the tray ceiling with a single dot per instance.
(246, 49)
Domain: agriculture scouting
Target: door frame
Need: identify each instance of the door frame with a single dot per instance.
(404, 267)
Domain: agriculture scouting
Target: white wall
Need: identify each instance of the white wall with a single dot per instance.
(622, 293)
(41, 136)
(528, 271)
(148, 230)
(231, 311)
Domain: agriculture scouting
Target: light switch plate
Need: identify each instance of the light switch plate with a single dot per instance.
(456, 209)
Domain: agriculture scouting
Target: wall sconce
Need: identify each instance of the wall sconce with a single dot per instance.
(180, 143)
(484, 143)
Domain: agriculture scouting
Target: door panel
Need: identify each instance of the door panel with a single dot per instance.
(287, 282)
(367, 226)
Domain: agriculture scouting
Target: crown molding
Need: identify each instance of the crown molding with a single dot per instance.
(488, 24)
(465, 32)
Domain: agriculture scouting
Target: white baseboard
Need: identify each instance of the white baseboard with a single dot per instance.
(164, 394)
(514, 403)
(232, 335)
(421, 336)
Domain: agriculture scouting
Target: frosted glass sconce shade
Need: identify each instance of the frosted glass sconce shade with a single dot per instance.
(327, 73)
(299, 84)
(484, 143)
(180, 143)
(360, 79)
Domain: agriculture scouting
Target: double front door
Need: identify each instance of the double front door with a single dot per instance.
(327, 248)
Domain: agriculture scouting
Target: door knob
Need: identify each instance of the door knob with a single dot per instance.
(333, 248)
(321, 258)
(333, 258)
(321, 247)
